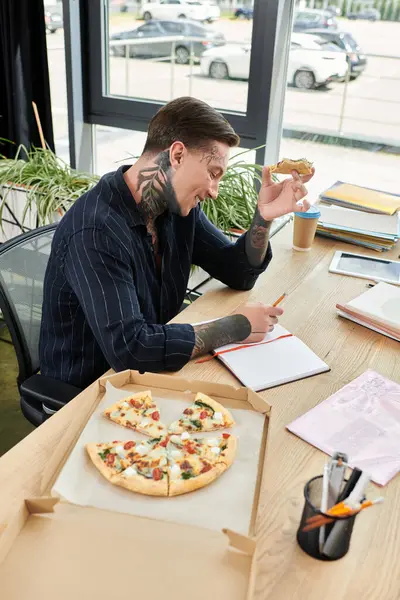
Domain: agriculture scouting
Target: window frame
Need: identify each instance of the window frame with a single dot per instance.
(135, 114)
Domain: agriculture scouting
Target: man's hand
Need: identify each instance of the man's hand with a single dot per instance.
(249, 324)
(262, 319)
(277, 199)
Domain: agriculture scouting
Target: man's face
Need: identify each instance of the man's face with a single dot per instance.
(195, 174)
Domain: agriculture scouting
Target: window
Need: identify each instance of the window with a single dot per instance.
(173, 28)
(149, 29)
(197, 30)
(348, 105)
(125, 85)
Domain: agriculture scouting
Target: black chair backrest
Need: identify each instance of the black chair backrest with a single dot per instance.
(23, 262)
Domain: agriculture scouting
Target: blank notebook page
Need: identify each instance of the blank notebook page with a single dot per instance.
(263, 366)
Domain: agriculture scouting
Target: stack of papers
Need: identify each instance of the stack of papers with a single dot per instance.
(362, 420)
(348, 195)
(378, 232)
(378, 309)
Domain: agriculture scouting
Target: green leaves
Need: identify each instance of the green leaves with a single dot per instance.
(187, 475)
(204, 405)
(237, 198)
(50, 184)
(103, 455)
(196, 423)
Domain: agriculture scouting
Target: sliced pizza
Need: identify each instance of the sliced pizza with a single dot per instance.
(287, 165)
(137, 466)
(205, 414)
(148, 472)
(139, 412)
(189, 471)
(111, 458)
(221, 447)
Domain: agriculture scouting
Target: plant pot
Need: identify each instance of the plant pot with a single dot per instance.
(11, 223)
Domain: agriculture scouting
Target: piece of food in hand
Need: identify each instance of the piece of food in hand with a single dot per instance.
(287, 165)
(139, 412)
(137, 466)
(205, 414)
(195, 463)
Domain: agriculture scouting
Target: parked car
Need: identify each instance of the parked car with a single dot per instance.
(181, 9)
(208, 38)
(243, 13)
(53, 21)
(311, 19)
(356, 60)
(334, 11)
(309, 66)
(368, 14)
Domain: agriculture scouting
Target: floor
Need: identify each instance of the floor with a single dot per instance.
(13, 426)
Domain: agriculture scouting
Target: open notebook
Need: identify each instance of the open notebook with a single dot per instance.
(262, 366)
(378, 309)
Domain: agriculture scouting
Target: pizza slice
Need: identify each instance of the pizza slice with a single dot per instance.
(192, 468)
(137, 466)
(139, 412)
(148, 472)
(205, 414)
(287, 165)
(111, 458)
(222, 446)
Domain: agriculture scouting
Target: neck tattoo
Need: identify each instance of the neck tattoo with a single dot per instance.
(157, 191)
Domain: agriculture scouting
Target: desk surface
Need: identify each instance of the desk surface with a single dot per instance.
(372, 567)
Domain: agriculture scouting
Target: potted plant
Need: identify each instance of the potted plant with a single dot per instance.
(37, 187)
(234, 207)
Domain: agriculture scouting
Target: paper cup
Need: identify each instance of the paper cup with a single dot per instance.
(304, 228)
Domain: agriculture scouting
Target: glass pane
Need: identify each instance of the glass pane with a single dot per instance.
(171, 56)
(342, 102)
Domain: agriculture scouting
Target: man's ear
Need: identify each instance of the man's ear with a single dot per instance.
(177, 153)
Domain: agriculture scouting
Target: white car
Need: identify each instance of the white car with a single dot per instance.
(310, 65)
(181, 9)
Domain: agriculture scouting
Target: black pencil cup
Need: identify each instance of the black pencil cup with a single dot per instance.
(337, 534)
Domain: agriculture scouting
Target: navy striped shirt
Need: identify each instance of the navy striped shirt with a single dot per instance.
(105, 302)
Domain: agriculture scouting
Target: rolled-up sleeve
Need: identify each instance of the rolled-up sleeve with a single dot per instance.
(223, 259)
(98, 269)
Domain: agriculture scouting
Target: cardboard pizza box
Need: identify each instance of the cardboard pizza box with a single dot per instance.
(51, 548)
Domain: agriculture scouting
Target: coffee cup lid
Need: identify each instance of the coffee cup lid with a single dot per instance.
(312, 213)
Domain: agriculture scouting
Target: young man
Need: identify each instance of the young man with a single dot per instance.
(121, 256)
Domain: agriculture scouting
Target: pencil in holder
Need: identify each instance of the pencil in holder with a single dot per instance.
(335, 535)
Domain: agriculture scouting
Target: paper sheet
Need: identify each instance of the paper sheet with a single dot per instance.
(227, 502)
(362, 420)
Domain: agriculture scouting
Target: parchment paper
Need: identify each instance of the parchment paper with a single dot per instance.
(227, 502)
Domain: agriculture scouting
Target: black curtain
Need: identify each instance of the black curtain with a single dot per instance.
(24, 75)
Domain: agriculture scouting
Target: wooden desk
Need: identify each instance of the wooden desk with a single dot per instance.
(372, 567)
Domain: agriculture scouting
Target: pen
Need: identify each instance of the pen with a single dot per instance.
(350, 485)
(279, 299)
(324, 505)
(346, 512)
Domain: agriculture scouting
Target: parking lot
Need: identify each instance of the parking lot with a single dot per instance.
(372, 104)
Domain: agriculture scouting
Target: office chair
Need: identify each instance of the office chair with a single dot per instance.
(23, 262)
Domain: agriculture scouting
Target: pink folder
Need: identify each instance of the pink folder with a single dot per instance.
(363, 420)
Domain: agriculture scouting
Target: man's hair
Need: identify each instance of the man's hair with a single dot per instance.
(190, 121)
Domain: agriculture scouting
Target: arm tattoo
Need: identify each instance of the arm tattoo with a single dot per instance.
(257, 240)
(156, 188)
(235, 328)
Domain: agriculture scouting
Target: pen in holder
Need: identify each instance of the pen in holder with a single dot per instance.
(337, 533)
